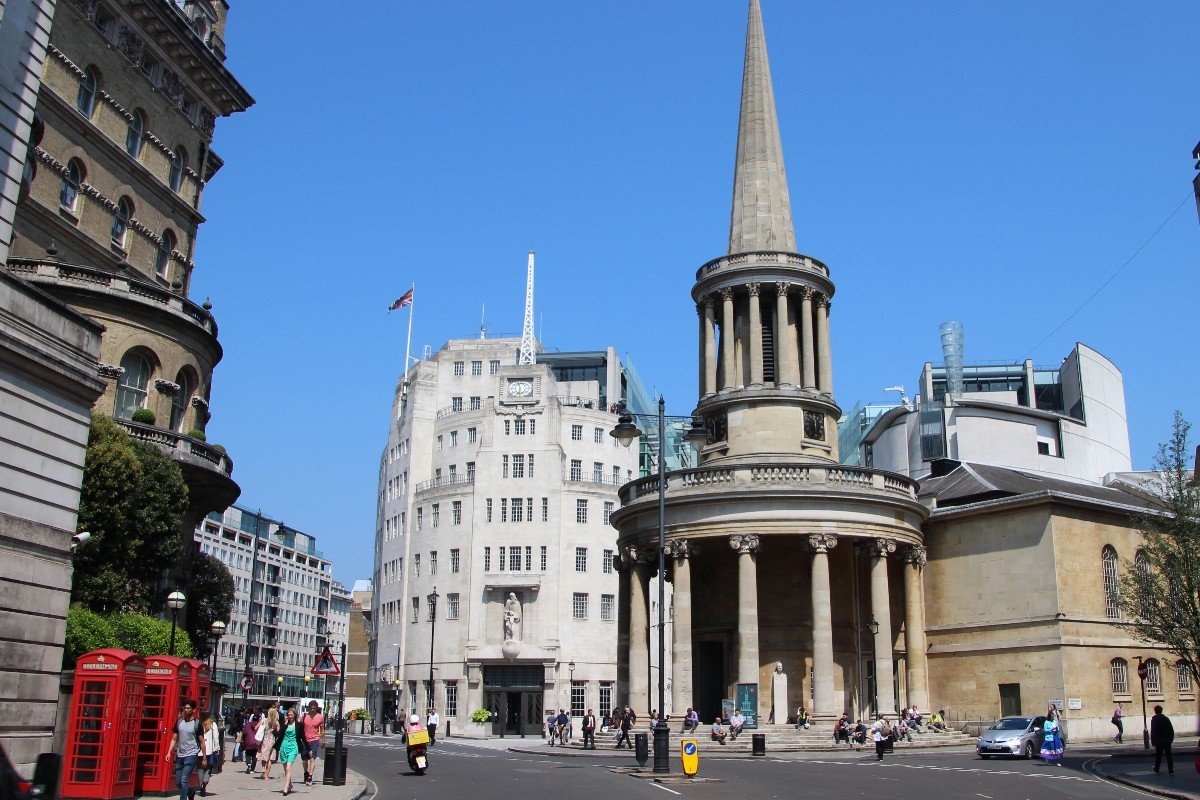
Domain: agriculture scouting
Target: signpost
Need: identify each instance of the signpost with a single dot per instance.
(690, 757)
(247, 684)
(747, 703)
(1143, 671)
(326, 665)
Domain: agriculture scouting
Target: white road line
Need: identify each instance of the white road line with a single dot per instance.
(980, 794)
(665, 789)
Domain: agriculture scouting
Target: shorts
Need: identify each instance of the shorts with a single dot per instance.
(310, 749)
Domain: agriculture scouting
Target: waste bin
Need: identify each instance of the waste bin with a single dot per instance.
(641, 748)
(758, 744)
(334, 773)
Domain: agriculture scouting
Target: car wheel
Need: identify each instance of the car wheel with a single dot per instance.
(1029, 751)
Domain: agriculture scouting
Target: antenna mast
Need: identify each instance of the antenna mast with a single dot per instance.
(526, 354)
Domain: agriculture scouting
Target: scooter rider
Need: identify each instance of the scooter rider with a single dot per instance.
(414, 724)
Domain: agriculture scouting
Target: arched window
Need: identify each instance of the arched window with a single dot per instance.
(182, 398)
(68, 195)
(29, 171)
(1109, 558)
(89, 85)
(121, 217)
(162, 261)
(1153, 676)
(177, 161)
(1183, 677)
(131, 388)
(1141, 565)
(135, 133)
(1120, 675)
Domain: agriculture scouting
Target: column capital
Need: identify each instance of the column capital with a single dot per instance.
(708, 303)
(679, 549)
(726, 293)
(914, 554)
(753, 288)
(822, 300)
(806, 292)
(782, 287)
(744, 542)
(822, 542)
(881, 546)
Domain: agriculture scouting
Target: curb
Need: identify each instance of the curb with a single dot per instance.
(1132, 784)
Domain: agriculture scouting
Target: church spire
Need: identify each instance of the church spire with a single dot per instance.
(762, 212)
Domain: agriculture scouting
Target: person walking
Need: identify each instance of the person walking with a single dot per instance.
(626, 727)
(1119, 721)
(589, 731)
(212, 750)
(288, 744)
(187, 748)
(1052, 743)
(250, 741)
(266, 745)
(1162, 735)
(881, 735)
(313, 724)
(236, 721)
(432, 720)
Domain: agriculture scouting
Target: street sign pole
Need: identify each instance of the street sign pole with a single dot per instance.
(339, 772)
(1143, 671)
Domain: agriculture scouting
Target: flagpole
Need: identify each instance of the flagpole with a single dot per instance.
(408, 344)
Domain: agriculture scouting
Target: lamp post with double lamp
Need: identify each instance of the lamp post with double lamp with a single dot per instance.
(175, 601)
(432, 597)
(625, 432)
(873, 626)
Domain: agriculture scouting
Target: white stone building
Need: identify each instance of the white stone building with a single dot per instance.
(495, 489)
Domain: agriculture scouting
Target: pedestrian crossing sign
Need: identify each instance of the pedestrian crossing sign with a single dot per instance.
(325, 664)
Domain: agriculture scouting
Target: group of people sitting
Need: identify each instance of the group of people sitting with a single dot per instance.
(736, 723)
(908, 722)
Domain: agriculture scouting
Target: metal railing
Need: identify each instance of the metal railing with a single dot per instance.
(449, 411)
(449, 480)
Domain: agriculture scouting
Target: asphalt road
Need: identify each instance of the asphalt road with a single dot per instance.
(470, 771)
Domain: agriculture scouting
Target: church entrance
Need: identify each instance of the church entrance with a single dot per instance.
(513, 694)
(708, 679)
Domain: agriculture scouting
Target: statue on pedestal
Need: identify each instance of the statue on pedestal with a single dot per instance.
(779, 695)
(512, 618)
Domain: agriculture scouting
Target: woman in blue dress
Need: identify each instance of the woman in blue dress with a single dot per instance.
(288, 744)
(1052, 744)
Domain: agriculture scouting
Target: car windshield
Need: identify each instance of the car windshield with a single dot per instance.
(1011, 724)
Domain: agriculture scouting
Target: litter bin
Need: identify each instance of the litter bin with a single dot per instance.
(758, 744)
(641, 748)
(334, 773)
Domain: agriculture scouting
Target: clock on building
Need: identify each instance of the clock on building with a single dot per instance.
(520, 387)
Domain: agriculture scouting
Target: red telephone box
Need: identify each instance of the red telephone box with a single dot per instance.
(102, 734)
(202, 686)
(168, 685)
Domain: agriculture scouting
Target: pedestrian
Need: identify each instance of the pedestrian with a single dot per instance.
(288, 744)
(1118, 720)
(266, 742)
(1162, 734)
(313, 724)
(589, 731)
(236, 721)
(250, 740)
(1052, 743)
(881, 735)
(432, 720)
(187, 746)
(212, 751)
(626, 727)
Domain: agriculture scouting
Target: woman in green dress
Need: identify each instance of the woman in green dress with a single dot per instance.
(288, 744)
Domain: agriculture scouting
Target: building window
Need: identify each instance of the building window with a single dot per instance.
(597, 472)
(454, 438)
(608, 509)
(503, 466)
(517, 515)
(456, 512)
(175, 175)
(493, 367)
(452, 605)
(579, 605)
(435, 513)
(131, 388)
(532, 427)
(121, 217)
(458, 369)
(1141, 565)
(416, 609)
(416, 565)
(439, 443)
(504, 509)
(606, 607)
(543, 558)
(452, 686)
(181, 399)
(581, 559)
(598, 435)
(581, 511)
(578, 698)
(576, 470)
(487, 559)
(68, 194)
(454, 559)
(456, 404)
(477, 368)
(475, 403)
(488, 510)
(1108, 557)
(162, 259)
(1183, 677)
(412, 696)
(420, 516)
(135, 133)
(528, 558)
(89, 86)
(508, 427)
(616, 474)
(545, 509)
(1153, 676)
(472, 436)
(576, 433)
(606, 690)
(433, 562)
(518, 466)
(608, 562)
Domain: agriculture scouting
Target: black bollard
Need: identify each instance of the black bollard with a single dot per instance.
(641, 748)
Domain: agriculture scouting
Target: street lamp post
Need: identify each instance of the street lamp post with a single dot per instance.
(1142, 671)
(432, 597)
(218, 630)
(307, 681)
(279, 686)
(874, 627)
(625, 432)
(571, 687)
(175, 601)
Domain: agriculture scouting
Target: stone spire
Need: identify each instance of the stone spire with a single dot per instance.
(762, 212)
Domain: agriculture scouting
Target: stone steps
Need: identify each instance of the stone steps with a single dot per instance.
(790, 740)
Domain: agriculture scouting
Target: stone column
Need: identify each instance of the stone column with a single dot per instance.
(806, 337)
(639, 635)
(756, 353)
(914, 628)
(881, 610)
(624, 595)
(746, 545)
(681, 642)
(786, 368)
(824, 703)
(710, 349)
(729, 376)
(825, 368)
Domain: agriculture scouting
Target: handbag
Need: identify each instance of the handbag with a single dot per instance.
(260, 731)
(1116, 720)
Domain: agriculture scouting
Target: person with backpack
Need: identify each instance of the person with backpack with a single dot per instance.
(881, 734)
(186, 748)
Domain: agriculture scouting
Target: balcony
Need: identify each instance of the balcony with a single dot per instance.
(450, 411)
(453, 480)
(179, 446)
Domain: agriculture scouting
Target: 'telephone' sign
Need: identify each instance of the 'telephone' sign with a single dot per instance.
(690, 756)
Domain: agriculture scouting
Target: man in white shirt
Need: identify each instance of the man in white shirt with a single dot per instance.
(432, 720)
(736, 722)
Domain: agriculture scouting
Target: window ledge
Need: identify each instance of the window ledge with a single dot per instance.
(116, 247)
(67, 213)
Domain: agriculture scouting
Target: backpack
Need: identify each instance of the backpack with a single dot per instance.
(886, 729)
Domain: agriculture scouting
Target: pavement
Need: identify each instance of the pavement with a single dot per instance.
(1134, 767)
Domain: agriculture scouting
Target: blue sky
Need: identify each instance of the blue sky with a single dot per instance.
(990, 163)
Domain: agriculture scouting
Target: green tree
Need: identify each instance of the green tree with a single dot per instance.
(1159, 590)
(133, 500)
(149, 636)
(86, 631)
(210, 598)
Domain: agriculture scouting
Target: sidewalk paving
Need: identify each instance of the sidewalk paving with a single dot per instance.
(1135, 768)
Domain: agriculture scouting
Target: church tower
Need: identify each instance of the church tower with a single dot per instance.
(766, 381)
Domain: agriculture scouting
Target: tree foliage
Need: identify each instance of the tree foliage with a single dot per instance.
(1159, 593)
(132, 502)
(86, 631)
(149, 636)
(210, 598)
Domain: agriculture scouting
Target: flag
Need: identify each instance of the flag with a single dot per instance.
(405, 300)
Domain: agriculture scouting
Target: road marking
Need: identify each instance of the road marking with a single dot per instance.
(1058, 776)
(980, 794)
(665, 789)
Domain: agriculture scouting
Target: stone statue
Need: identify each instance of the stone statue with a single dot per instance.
(512, 618)
(779, 695)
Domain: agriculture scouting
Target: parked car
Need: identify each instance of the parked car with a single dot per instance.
(1012, 736)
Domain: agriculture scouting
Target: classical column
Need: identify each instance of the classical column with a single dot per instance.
(639, 633)
(806, 338)
(729, 376)
(756, 353)
(824, 703)
(623, 606)
(746, 545)
(825, 374)
(785, 340)
(914, 628)
(681, 642)
(710, 349)
(881, 610)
